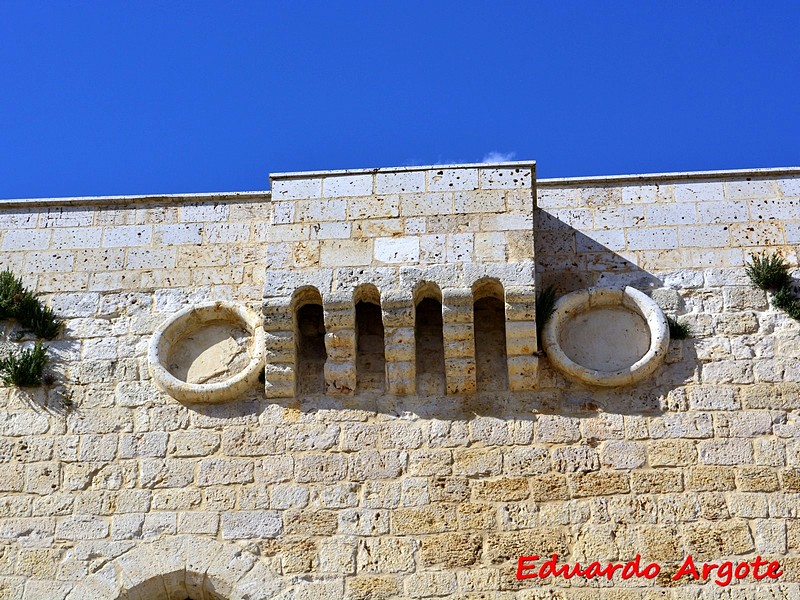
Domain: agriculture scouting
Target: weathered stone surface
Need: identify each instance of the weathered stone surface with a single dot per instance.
(108, 484)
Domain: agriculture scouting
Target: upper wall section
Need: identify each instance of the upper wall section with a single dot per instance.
(386, 219)
(404, 231)
(592, 230)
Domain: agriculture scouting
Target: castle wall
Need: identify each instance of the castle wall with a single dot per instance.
(109, 484)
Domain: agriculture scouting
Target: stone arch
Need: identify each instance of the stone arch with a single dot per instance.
(489, 318)
(178, 568)
(429, 337)
(370, 339)
(309, 336)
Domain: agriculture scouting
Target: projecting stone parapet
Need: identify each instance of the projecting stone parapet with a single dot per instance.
(381, 273)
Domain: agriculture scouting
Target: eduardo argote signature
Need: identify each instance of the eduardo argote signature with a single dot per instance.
(723, 573)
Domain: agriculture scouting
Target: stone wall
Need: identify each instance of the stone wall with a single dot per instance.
(110, 488)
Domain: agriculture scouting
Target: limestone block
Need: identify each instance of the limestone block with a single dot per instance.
(686, 425)
(127, 236)
(400, 377)
(398, 322)
(489, 430)
(430, 463)
(12, 478)
(770, 536)
(520, 338)
(756, 479)
(347, 185)
(671, 453)
(659, 481)
(399, 344)
(316, 436)
(385, 555)
(340, 376)
(422, 520)
(477, 462)
(315, 211)
(340, 343)
(402, 182)
(325, 468)
(26, 240)
(557, 428)
(337, 555)
(526, 461)
(42, 478)
(576, 459)
(23, 423)
(507, 222)
(177, 234)
(363, 522)
(501, 547)
(346, 253)
(652, 238)
(507, 489)
(429, 584)
(45, 588)
(374, 207)
(296, 188)
(459, 348)
(598, 483)
(81, 527)
(397, 250)
(401, 435)
(726, 452)
(219, 471)
(521, 341)
(372, 465)
(479, 202)
(713, 397)
(451, 180)
(236, 525)
(380, 494)
(490, 246)
(678, 508)
(446, 434)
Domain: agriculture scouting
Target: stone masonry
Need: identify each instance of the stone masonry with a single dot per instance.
(112, 490)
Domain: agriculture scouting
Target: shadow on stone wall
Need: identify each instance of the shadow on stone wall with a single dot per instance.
(569, 260)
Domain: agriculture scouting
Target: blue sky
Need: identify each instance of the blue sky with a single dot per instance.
(166, 97)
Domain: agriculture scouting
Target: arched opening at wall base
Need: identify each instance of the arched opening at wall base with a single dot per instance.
(180, 585)
(181, 568)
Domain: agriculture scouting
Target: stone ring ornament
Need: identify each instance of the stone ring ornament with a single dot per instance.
(210, 352)
(606, 337)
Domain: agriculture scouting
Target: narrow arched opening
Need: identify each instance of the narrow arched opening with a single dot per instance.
(370, 341)
(429, 336)
(310, 342)
(489, 319)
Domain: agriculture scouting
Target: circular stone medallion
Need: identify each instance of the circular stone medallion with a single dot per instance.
(606, 337)
(209, 352)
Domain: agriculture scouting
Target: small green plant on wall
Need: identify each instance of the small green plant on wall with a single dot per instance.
(678, 330)
(771, 273)
(25, 368)
(21, 304)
